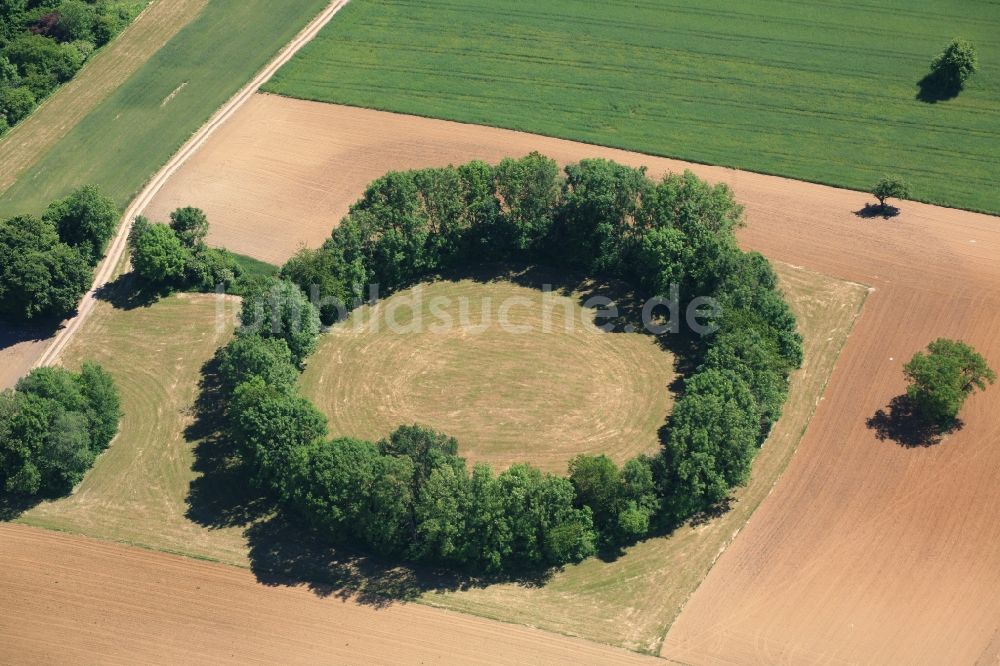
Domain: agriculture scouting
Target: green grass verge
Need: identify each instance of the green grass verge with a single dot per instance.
(255, 267)
(810, 90)
(127, 137)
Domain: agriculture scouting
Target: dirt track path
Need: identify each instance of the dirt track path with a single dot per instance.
(69, 599)
(866, 551)
(116, 248)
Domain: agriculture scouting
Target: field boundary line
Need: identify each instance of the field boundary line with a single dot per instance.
(116, 250)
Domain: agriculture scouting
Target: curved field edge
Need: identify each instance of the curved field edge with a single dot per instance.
(764, 87)
(104, 71)
(136, 128)
(138, 491)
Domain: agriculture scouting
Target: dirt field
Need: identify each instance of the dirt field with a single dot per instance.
(867, 550)
(69, 599)
(560, 389)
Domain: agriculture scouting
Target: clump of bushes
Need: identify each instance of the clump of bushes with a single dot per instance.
(47, 263)
(410, 495)
(940, 379)
(44, 43)
(52, 427)
(174, 256)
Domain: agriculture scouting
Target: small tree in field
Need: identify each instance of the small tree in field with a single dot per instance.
(955, 64)
(941, 379)
(890, 187)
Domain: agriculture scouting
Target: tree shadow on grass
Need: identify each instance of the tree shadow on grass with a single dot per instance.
(871, 210)
(284, 553)
(900, 422)
(935, 87)
(12, 506)
(126, 292)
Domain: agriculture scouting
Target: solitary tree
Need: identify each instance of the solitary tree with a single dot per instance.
(941, 379)
(890, 187)
(954, 65)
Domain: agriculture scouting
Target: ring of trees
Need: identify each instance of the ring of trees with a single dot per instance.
(410, 495)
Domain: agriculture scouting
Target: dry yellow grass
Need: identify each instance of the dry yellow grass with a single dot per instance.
(513, 373)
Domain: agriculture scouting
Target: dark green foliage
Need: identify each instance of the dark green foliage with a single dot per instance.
(52, 426)
(956, 63)
(40, 277)
(890, 187)
(527, 190)
(190, 225)
(269, 424)
(175, 256)
(941, 379)
(86, 220)
(713, 437)
(623, 502)
(249, 356)
(282, 311)
(158, 256)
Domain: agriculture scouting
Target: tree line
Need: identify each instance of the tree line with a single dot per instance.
(410, 495)
(43, 43)
(52, 427)
(47, 263)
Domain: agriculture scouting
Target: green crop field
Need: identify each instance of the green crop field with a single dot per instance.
(136, 129)
(813, 90)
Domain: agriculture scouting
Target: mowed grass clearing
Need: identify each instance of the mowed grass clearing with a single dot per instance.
(515, 374)
(135, 129)
(138, 491)
(810, 90)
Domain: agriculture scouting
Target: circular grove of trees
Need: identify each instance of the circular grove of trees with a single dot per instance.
(411, 496)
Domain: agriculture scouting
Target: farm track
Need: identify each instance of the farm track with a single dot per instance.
(116, 248)
(70, 599)
(865, 550)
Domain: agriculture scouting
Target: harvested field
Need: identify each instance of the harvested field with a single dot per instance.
(513, 377)
(69, 600)
(867, 550)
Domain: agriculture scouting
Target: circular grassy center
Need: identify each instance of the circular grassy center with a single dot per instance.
(514, 373)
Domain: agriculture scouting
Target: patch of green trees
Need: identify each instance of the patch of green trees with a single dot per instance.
(47, 263)
(410, 495)
(940, 379)
(174, 256)
(43, 43)
(52, 427)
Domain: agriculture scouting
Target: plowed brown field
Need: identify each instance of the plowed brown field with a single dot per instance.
(70, 599)
(866, 551)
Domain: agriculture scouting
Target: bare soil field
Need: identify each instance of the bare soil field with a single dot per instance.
(868, 549)
(513, 374)
(70, 599)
